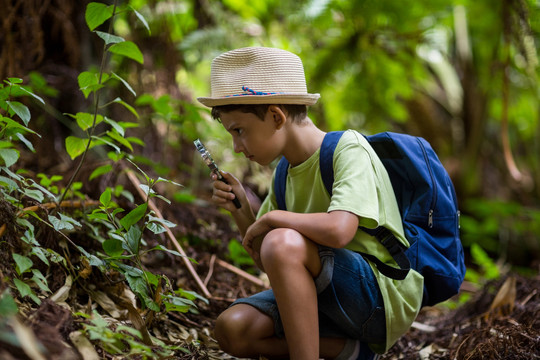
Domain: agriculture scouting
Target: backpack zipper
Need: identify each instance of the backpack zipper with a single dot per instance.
(434, 199)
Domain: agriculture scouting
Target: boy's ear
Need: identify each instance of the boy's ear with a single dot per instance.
(277, 115)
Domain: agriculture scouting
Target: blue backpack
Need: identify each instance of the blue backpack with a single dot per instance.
(428, 206)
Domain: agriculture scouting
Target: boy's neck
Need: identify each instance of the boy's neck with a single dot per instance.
(303, 140)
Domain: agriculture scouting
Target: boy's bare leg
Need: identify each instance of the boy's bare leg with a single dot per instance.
(244, 331)
(291, 262)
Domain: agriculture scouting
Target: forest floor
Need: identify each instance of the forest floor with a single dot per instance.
(499, 321)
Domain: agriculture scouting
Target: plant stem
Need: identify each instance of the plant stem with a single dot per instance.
(96, 108)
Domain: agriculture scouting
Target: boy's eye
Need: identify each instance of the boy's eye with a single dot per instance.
(238, 131)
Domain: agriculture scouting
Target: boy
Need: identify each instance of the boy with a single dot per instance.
(326, 301)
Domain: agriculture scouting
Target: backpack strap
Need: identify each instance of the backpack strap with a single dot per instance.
(385, 236)
(280, 182)
(326, 158)
(396, 249)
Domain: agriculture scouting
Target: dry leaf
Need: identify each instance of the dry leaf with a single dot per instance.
(504, 301)
(84, 346)
(62, 294)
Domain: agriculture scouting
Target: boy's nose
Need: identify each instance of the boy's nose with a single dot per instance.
(238, 148)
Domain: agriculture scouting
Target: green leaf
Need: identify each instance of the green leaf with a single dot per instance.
(160, 179)
(15, 80)
(42, 189)
(26, 142)
(164, 222)
(87, 78)
(98, 215)
(126, 84)
(110, 38)
(103, 169)
(23, 263)
(163, 248)
(105, 197)
(86, 120)
(96, 14)
(5, 144)
(9, 183)
(128, 49)
(116, 126)
(8, 307)
(40, 253)
(33, 95)
(75, 146)
(64, 222)
(146, 189)
(40, 280)
(13, 124)
(25, 290)
(113, 247)
(127, 106)
(34, 194)
(21, 110)
(10, 156)
(177, 306)
(133, 240)
(133, 216)
(119, 139)
(100, 140)
(89, 82)
(142, 19)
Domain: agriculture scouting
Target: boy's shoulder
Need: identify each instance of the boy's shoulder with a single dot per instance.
(350, 140)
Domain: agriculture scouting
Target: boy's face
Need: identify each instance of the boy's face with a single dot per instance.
(259, 140)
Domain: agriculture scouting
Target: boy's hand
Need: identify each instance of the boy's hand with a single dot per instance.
(223, 193)
(253, 237)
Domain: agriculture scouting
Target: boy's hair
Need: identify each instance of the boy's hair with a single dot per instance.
(295, 112)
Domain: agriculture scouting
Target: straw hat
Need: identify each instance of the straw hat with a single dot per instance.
(258, 75)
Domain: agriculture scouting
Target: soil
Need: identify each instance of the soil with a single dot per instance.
(500, 320)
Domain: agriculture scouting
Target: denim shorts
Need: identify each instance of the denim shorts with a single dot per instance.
(350, 302)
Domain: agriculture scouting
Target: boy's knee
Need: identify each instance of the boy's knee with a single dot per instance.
(232, 333)
(282, 244)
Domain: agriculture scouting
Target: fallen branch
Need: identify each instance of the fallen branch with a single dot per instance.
(136, 183)
(242, 273)
(63, 204)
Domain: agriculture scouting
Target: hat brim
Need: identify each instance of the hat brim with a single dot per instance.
(293, 99)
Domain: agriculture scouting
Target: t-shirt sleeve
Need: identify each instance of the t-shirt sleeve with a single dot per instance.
(355, 186)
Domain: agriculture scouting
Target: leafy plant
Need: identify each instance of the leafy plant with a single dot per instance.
(123, 241)
(124, 340)
(120, 232)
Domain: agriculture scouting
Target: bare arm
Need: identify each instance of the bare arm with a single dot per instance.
(334, 229)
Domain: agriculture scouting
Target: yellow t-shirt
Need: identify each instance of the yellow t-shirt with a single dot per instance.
(362, 187)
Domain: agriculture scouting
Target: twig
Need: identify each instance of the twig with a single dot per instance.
(241, 273)
(210, 269)
(65, 203)
(136, 183)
